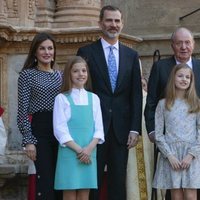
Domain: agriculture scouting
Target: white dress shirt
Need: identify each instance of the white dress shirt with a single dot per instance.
(189, 62)
(62, 114)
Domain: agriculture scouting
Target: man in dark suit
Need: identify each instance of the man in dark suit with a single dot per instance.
(182, 43)
(121, 105)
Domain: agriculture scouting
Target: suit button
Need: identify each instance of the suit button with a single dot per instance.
(110, 110)
(39, 194)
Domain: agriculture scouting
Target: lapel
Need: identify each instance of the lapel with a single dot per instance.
(171, 64)
(100, 61)
(196, 70)
(122, 65)
(165, 68)
(99, 57)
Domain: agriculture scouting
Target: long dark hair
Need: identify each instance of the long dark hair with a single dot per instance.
(31, 61)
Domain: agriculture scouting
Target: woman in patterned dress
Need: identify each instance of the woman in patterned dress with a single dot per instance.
(177, 133)
(38, 84)
(77, 121)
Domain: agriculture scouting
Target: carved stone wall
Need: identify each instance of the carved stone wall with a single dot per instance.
(50, 13)
(154, 21)
(77, 12)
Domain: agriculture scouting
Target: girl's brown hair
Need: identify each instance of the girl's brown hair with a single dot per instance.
(67, 82)
(190, 95)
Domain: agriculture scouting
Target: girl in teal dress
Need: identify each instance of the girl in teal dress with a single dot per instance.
(77, 121)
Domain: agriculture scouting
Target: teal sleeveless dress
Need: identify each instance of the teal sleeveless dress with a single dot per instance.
(70, 172)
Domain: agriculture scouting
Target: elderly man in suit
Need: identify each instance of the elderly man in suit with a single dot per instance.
(182, 43)
(116, 79)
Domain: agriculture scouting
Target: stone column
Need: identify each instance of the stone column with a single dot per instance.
(45, 13)
(76, 13)
(3, 16)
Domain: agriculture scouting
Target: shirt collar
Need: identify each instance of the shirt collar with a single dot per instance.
(189, 62)
(78, 91)
(105, 44)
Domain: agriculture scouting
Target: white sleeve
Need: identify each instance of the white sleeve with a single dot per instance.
(61, 114)
(98, 122)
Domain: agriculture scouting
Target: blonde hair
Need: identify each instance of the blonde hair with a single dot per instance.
(67, 82)
(190, 94)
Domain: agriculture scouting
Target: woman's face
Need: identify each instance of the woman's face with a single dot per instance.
(45, 53)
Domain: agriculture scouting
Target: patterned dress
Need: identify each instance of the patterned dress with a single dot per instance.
(181, 137)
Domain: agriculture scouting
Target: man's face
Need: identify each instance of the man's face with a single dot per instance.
(111, 24)
(183, 45)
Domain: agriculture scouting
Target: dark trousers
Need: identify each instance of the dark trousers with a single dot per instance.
(47, 147)
(115, 156)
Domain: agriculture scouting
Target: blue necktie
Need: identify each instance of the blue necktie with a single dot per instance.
(112, 68)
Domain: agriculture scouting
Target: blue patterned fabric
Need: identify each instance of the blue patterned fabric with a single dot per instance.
(112, 68)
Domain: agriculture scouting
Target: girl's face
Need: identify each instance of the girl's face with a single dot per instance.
(79, 75)
(45, 53)
(182, 79)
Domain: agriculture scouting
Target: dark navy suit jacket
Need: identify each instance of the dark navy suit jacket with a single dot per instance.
(124, 106)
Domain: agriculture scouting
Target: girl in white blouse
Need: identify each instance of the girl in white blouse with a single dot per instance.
(77, 121)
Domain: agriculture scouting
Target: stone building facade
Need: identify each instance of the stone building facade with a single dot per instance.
(154, 21)
(73, 23)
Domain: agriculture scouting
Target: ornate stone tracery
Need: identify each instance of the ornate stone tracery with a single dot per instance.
(32, 9)
(12, 8)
